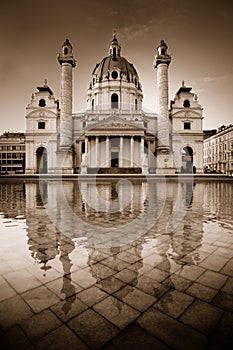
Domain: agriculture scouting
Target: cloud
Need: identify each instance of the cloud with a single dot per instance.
(135, 31)
(216, 79)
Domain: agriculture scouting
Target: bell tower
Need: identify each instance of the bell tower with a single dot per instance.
(164, 154)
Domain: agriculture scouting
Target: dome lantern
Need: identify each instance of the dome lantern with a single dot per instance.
(115, 48)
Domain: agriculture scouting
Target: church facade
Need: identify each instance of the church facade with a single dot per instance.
(114, 135)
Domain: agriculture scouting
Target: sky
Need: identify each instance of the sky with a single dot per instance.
(199, 35)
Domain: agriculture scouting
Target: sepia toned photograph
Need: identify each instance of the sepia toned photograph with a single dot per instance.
(116, 175)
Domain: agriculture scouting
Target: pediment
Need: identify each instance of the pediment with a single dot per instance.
(187, 114)
(114, 124)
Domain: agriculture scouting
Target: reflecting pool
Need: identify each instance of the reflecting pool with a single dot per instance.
(115, 264)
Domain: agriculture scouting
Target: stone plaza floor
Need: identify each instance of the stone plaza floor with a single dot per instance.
(119, 299)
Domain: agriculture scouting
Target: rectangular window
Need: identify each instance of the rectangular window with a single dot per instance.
(41, 125)
(187, 126)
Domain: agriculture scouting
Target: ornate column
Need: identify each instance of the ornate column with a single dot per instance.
(67, 62)
(161, 62)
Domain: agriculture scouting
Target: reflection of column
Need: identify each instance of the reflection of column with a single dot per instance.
(121, 153)
(107, 151)
(131, 151)
(97, 151)
(142, 149)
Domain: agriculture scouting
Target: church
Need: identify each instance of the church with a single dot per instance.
(114, 135)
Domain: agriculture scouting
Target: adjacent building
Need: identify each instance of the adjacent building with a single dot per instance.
(12, 153)
(218, 150)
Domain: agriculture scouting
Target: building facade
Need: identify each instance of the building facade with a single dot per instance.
(12, 153)
(218, 151)
(114, 134)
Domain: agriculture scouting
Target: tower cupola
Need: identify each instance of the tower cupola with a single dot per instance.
(162, 55)
(67, 54)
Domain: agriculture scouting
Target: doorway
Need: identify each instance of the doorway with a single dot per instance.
(187, 159)
(114, 159)
(41, 160)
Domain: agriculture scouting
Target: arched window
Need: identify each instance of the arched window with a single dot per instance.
(114, 101)
(65, 51)
(92, 104)
(114, 51)
(186, 103)
(163, 52)
(136, 104)
(42, 103)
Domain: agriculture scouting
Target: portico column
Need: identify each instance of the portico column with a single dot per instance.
(121, 153)
(107, 151)
(97, 151)
(142, 149)
(131, 151)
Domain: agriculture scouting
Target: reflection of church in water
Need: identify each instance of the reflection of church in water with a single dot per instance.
(175, 244)
(114, 134)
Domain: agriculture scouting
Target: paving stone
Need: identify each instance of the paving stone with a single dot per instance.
(40, 324)
(69, 308)
(135, 298)
(115, 264)
(173, 303)
(14, 338)
(40, 298)
(201, 292)
(63, 287)
(130, 258)
(22, 280)
(93, 329)
(157, 274)
(100, 271)
(137, 339)
(224, 301)
(228, 268)
(177, 282)
(212, 279)
(191, 272)
(202, 316)
(6, 291)
(117, 312)
(83, 278)
(224, 332)
(214, 262)
(60, 339)
(13, 311)
(111, 284)
(91, 295)
(150, 286)
(126, 275)
(172, 332)
(228, 287)
(41, 275)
